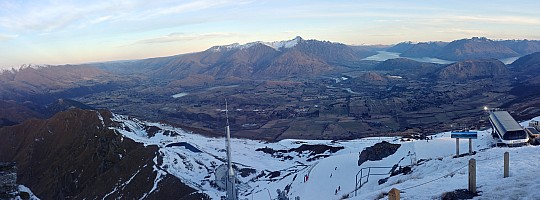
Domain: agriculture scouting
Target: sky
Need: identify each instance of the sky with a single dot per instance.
(77, 31)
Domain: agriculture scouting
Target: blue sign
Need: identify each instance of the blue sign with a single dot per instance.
(465, 135)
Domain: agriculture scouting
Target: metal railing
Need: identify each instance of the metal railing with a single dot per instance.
(366, 172)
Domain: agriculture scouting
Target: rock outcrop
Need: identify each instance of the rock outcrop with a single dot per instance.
(378, 152)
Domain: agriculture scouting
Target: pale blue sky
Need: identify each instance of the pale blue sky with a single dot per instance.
(64, 31)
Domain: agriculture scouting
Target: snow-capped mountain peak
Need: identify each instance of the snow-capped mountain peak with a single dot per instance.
(33, 66)
(284, 44)
(22, 67)
(226, 47)
(277, 45)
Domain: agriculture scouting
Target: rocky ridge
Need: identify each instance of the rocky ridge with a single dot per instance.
(75, 155)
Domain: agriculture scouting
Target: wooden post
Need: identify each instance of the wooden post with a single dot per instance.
(472, 175)
(470, 147)
(393, 194)
(457, 147)
(506, 164)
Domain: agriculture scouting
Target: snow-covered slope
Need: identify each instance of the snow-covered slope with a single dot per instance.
(23, 188)
(265, 167)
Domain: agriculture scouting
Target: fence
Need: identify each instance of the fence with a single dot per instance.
(368, 173)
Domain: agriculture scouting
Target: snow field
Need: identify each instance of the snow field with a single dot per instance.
(438, 173)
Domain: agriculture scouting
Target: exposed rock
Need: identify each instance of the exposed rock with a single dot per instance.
(458, 194)
(377, 152)
(449, 196)
(312, 149)
(8, 180)
(245, 172)
(401, 170)
(273, 174)
(316, 149)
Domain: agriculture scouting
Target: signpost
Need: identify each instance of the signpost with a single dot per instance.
(465, 135)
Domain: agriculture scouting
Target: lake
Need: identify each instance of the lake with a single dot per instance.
(179, 95)
(385, 55)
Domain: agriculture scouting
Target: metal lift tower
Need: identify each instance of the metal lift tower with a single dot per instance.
(232, 193)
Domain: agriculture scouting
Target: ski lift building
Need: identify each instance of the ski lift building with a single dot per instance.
(506, 128)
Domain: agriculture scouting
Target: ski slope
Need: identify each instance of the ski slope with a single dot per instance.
(195, 157)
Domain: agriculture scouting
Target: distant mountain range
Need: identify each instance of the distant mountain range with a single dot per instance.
(296, 57)
(256, 60)
(305, 58)
(459, 71)
(29, 82)
(267, 60)
(474, 48)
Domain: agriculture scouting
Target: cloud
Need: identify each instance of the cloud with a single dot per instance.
(7, 37)
(193, 6)
(48, 16)
(178, 37)
(462, 31)
(101, 19)
(500, 19)
(43, 18)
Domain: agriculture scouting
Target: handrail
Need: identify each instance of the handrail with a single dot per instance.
(368, 174)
